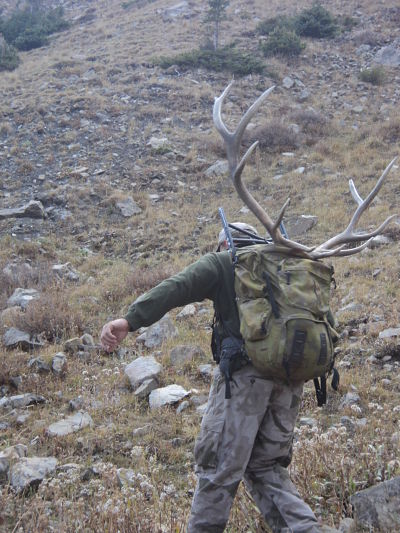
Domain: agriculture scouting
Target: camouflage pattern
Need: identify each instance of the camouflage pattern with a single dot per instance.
(249, 437)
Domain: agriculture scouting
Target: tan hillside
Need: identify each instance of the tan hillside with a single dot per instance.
(116, 150)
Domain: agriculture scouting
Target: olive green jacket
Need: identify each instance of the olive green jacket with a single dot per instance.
(211, 277)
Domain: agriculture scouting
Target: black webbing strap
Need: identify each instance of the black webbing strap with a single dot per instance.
(320, 390)
(271, 296)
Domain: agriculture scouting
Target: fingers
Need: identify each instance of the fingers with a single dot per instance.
(108, 339)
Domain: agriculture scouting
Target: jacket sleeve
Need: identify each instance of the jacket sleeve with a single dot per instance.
(195, 283)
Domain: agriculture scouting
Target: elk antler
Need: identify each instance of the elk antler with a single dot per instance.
(332, 247)
(232, 145)
(348, 235)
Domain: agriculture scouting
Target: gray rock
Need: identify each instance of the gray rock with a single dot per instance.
(15, 338)
(33, 209)
(157, 143)
(15, 271)
(309, 422)
(348, 423)
(188, 310)
(377, 508)
(10, 455)
(159, 332)
(139, 432)
(389, 333)
(87, 340)
(347, 525)
(76, 404)
(39, 365)
(65, 271)
(21, 400)
(287, 82)
(73, 345)
(59, 364)
(166, 396)
(128, 207)
(380, 240)
(389, 55)
(30, 472)
(304, 95)
(146, 387)
(297, 226)
(69, 425)
(182, 407)
(206, 370)
(180, 10)
(142, 369)
(184, 353)
(351, 398)
(220, 168)
(22, 297)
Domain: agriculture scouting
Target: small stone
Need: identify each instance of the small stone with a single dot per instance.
(166, 396)
(59, 364)
(71, 424)
(22, 297)
(30, 472)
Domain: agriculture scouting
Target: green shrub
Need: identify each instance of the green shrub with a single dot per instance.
(9, 59)
(374, 75)
(30, 39)
(226, 59)
(27, 30)
(267, 26)
(316, 22)
(282, 42)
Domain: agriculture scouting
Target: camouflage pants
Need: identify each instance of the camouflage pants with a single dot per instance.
(248, 437)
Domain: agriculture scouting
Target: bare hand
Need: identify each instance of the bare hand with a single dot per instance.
(113, 333)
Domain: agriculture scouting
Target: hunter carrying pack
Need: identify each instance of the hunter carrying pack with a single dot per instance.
(283, 305)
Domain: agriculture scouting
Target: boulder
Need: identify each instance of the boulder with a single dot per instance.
(59, 364)
(219, 168)
(128, 207)
(21, 400)
(389, 333)
(30, 472)
(69, 425)
(159, 332)
(166, 396)
(185, 353)
(65, 271)
(297, 226)
(146, 387)
(389, 55)
(22, 297)
(188, 310)
(33, 209)
(378, 508)
(142, 369)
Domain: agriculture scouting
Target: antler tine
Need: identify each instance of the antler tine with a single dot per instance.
(348, 234)
(354, 193)
(232, 142)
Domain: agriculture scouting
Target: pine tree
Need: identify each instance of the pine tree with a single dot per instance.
(215, 14)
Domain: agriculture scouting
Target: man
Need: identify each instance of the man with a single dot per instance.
(247, 436)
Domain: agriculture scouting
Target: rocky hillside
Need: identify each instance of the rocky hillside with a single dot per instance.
(110, 181)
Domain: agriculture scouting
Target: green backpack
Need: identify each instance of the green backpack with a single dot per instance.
(283, 305)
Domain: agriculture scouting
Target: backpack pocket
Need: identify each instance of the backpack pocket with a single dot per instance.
(254, 318)
(295, 349)
(306, 285)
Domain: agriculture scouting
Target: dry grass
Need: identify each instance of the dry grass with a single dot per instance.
(105, 123)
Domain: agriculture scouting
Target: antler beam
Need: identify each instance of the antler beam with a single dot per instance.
(332, 247)
(232, 142)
